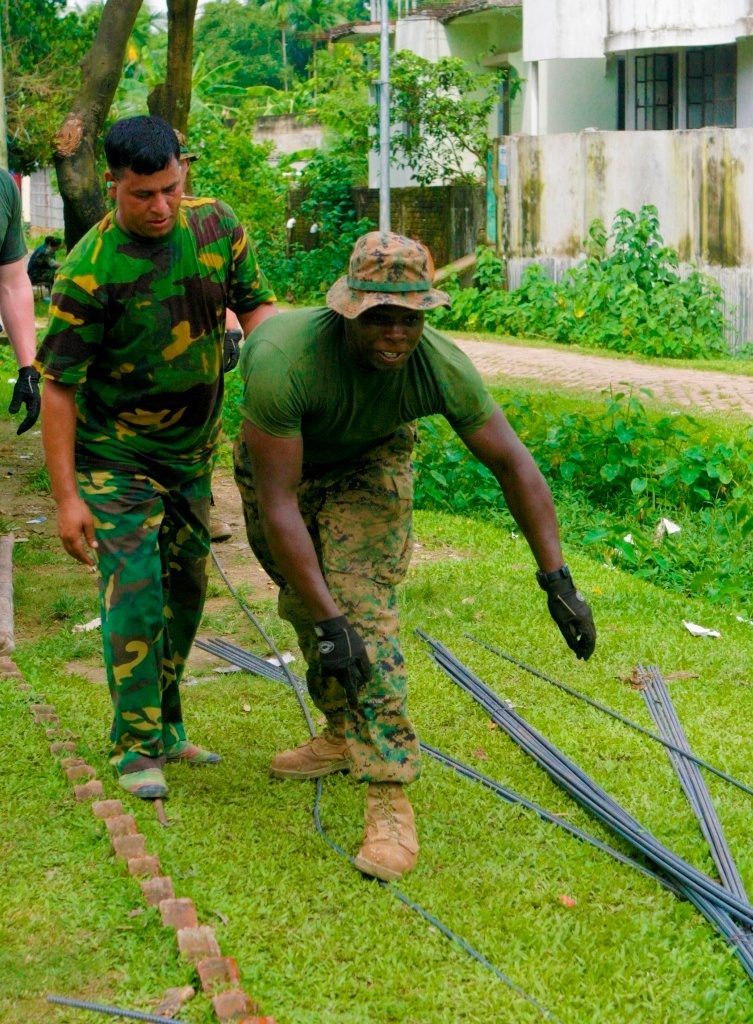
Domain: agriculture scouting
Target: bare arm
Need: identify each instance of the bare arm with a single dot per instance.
(75, 523)
(17, 310)
(249, 321)
(526, 491)
(277, 464)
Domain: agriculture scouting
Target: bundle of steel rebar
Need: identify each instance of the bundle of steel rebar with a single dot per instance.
(666, 719)
(722, 908)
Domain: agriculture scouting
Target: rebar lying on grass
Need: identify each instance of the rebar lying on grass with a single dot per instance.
(113, 1011)
(719, 906)
(613, 714)
(666, 719)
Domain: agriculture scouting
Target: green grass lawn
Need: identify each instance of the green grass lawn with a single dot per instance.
(315, 941)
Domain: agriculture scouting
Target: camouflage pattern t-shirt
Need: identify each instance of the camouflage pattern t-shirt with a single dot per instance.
(139, 325)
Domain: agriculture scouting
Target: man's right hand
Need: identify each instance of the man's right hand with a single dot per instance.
(342, 654)
(76, 525)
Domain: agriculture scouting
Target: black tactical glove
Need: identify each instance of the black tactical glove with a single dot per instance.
(569, 610)
(342, 654)
(26, 392)
(232, 350)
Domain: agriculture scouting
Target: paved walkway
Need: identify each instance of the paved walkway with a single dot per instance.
(706, 390)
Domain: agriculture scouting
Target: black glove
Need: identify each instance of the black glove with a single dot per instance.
(569, 610)
(26, 392)
(232, 350)
(342, 654)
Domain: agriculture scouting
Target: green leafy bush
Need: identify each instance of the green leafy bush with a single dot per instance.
(615, 474)
(627, 296)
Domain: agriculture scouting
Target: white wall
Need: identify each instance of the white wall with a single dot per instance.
(745, 83)
(591, 28)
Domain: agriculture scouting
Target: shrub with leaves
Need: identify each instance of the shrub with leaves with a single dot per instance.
(615, 474)
(627, 296)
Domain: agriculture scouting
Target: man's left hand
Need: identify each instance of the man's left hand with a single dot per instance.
(26, 392)
(569, 609)
(231, 350)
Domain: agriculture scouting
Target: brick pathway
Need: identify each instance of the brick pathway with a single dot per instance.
(706, 390)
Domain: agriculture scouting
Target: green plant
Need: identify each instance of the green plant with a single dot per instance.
(628, 297)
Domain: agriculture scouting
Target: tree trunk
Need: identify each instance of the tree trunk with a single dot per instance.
(77, 137)
(172, 99)
(284, 59)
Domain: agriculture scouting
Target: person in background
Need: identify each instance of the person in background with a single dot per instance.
(42, 263)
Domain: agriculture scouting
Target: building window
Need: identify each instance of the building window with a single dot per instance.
(655, 91)
(711, 75)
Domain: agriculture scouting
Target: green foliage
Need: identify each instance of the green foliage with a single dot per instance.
(441, 112)
(42, 48)
(617, 470)
(236, 169)
(628, 297)
(304, 276)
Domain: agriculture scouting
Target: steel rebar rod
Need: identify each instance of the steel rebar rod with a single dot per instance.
(113, 1011)
(613, 714)
(583, 788)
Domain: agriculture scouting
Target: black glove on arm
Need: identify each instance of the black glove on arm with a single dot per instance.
(26, 392)
(342, 654)
(569, 610)
(231, 350)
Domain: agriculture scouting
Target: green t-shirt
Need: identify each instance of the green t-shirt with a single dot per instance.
(300, 381)
(12, 245)
(139, 326)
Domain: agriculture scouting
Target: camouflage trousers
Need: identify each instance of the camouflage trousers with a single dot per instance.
(152, 560)
(359, 515)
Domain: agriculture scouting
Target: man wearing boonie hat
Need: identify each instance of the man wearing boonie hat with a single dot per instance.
(323, 464)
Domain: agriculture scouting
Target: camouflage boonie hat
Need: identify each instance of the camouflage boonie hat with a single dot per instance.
(386, 270)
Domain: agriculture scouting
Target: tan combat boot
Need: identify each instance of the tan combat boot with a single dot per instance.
(319, 756)
(390, 843)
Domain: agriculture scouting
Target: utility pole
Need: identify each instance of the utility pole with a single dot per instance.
(384, 119)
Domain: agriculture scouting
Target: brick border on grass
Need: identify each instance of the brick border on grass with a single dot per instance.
(219, 976)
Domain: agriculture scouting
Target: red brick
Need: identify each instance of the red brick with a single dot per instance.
(258, 1020)
(197, 943)
(218, 972)
(126, 847)
(62, 747)
(174, 1000)
(80, 771)
(42, 709)
(232, 1005)
(144, 866)
(7, 665)
(178, 914)
(157, 889)
(52, 733)
(23, 687)
(89, 790)
(71, 762)
(108, 809)
(46, 719)
(121, 825)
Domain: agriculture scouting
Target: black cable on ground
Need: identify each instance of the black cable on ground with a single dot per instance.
(714, 902)
(614, 714)
(447, 932)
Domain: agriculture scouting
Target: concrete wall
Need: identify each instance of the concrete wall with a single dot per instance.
(698, 180)
(287, 134)
(45, 204)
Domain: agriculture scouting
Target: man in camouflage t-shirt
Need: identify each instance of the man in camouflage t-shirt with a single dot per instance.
(133, 370)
